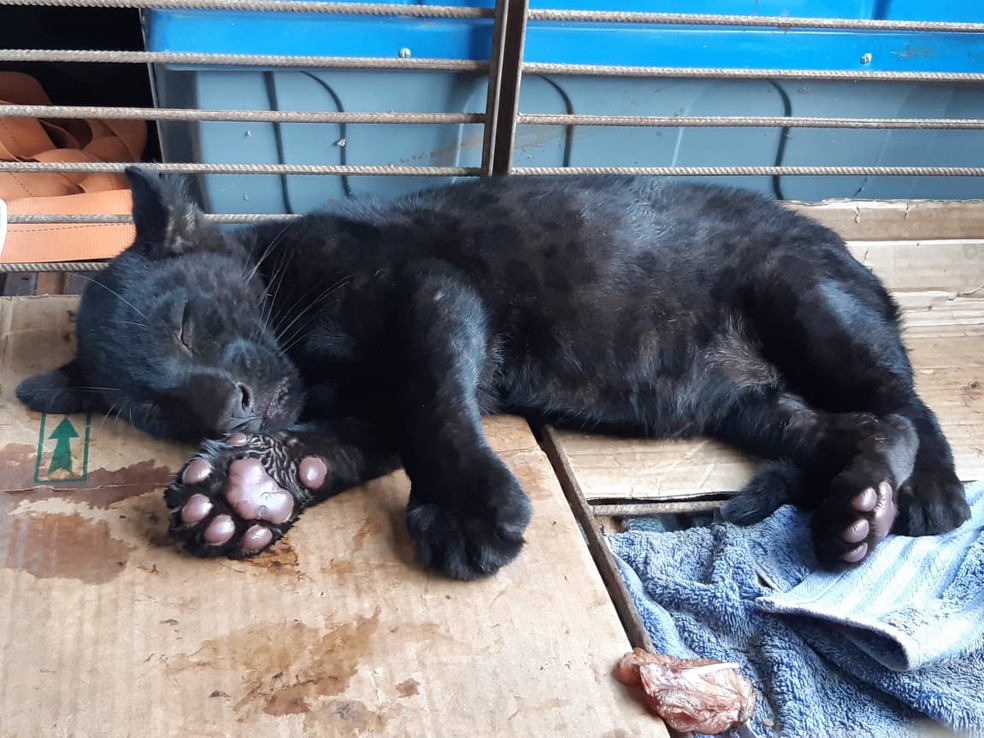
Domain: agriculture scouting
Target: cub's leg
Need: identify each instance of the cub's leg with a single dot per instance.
(852, 461)
(467, 512)
(236, 497)
(833, 332)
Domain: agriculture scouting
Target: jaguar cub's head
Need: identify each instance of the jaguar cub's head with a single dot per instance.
(173, 336)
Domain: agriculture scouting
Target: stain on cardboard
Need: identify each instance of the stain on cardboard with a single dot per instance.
(344, 719)
(102, 488)
(281, 558)
(55, 545)
(287, 669)
(368, 528)
(70, 545)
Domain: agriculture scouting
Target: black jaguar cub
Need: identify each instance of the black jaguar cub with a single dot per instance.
(322, 353)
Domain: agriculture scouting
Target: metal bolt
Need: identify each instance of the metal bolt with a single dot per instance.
(866, 58)
(404, 53)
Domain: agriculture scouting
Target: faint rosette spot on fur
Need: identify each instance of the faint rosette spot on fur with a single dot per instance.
(254, 495)
(219, 530)
(256, 539)
(196, 472)
(311, 472)
(196, 509)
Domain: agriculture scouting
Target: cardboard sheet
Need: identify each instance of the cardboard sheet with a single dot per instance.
(940, 286)
(107, 630)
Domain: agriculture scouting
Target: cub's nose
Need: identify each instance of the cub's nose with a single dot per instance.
(238, 409)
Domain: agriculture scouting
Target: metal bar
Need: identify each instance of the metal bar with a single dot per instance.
(740, 121)
(258, 116)
(469, 65)
(642, 509)
(533, 119)
(600, 70)
(635, 629)
(248, 60)
(756, 21)
(592, 16)
(88, 219)
(505, 73)
(202, 168)
(760, 171)
(279, 6)
(53, 266)
(495, 85)
(408, 171)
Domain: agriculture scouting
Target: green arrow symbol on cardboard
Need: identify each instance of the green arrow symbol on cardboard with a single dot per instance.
(62, 435)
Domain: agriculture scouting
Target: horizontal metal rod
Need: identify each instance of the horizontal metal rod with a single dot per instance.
(760, 171)
(642, 509)
(827, 75)
(757, 21)
(468, 65)
(200, 168)
(590, 16)
(741, 121)
(258, 116)
(279, 6)
(408, 171)
(48, 218)
(52, 266)
(538, 119)
(248, 60)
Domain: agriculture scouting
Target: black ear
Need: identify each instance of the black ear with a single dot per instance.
(165, 215)
(59, 391)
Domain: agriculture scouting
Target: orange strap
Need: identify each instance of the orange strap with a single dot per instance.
(30, 139)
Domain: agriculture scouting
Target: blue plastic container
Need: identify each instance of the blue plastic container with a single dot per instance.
(581, 43)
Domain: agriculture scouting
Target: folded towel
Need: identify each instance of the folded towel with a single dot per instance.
(914, 602)
(823, 649)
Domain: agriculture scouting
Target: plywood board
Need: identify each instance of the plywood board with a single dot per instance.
(940, 286)
(898, 219)
(107, 630)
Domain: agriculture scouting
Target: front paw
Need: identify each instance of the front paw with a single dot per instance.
(930, 503)
(235, 498)
(471, 526)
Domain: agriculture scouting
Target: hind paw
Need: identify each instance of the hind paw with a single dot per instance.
(848, 527)
(235, 498)
(931, 503)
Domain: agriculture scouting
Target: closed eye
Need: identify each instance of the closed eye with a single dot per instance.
(185, 332)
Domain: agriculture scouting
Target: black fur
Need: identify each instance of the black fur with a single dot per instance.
(379, 333)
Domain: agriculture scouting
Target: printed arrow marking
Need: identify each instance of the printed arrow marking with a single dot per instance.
(62, 456)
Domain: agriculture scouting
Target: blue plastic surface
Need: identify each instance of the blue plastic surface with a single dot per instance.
(583, 43)
(595, 43)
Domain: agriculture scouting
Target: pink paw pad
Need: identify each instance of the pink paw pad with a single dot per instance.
(311, 472)
(878, 505)
(256, 539)
(219, 530)
(196, 509)
(196, 472)
(254, 495)
(237, 439)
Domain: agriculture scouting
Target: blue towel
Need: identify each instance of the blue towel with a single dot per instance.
(879, 650)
